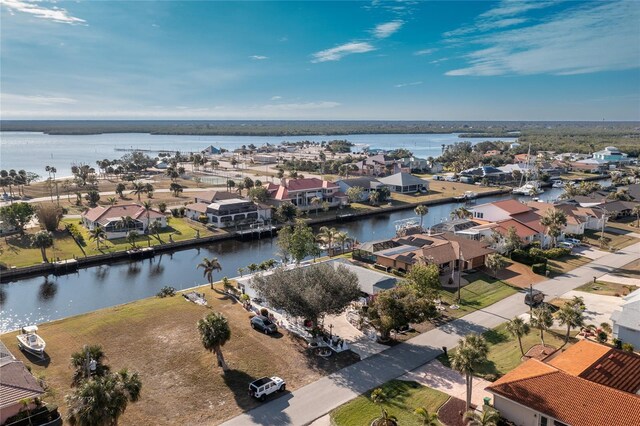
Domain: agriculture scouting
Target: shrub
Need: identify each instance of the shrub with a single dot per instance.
(617, 343)
(175, 212)
(75, 233)
(162, 207)
(539, 268)
(536, 252)
(557, 252)
(166, 291)
(203, 218)
(182, 210)
(627, 347)
(245, 297)
(526, 258)
(264, 312)
(49, 216)
(602, 337)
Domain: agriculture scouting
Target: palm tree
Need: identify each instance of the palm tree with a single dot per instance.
(427, 418)
(554, 220)
(132, 236)
(80, 362)
(378, 397)
(374, 198)
(42, 240)
(571, 316)
(460, 213)
(327, 236)
(154, 228)
(112, 200)
(341, 238)
(97, 234)
(472, 350)
(421, 211)
(488, 417)
(138, 188)
(542, 319)
(636, 211)
(101, 401)
(126, 222)
(315, 201)
(215, 332)
(147, 206)
(518, 328)
(209, 266)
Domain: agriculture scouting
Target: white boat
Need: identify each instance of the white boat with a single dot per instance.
(529, 188)
(470, 195)
(558, 184)
(29, 341)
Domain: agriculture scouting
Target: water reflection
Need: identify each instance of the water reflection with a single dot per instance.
(48, 290)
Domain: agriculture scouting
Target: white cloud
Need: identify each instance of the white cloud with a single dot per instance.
(514, 7)
(338, 52)
(413, 83)
(585, 39)
(258, 57)
(387, 29)
(39, 10)
(35, 99)
(425, 52)
(276, 98)
(301, 106)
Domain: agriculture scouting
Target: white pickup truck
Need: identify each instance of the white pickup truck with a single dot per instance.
(260, 388)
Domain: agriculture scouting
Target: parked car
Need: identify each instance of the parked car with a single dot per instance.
(260, 388)
(575, 242)
(451, 179)
(565, 244)
(533, 298)
(437, 177)
(262, 323)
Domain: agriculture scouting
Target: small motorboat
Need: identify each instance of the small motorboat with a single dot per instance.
(29, 341)
(558, 184)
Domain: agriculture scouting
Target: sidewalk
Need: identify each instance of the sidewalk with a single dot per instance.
(314, 400)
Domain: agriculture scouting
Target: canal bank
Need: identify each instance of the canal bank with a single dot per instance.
(71, 265)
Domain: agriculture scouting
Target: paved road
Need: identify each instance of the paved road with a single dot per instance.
(314, 400)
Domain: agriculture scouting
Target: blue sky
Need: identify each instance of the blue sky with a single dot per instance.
(524, 60)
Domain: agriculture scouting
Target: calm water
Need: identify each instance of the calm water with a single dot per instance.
(41, 299)
(61, 151)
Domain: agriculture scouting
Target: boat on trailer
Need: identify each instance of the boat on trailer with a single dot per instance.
(29, 341)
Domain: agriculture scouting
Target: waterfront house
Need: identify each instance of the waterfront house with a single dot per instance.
(611, 154)
(111, 218)
(16, 384)
(587, 384)
(211, 150)
(499, 210)
(380, 165)
(626, 320)
(226, 212)
(492, 174)
(300, 193)
(590, 165)
(447, 251)
(619, 209)
(496, 233)
(367, 183)
(405, 183)
(209, 197)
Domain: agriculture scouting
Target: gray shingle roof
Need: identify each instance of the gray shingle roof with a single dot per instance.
(403, 179)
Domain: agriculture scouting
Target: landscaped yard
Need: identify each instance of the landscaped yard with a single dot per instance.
(565, 264)
(481, 292)
(403, 399)
(17, 250)
(440, 189)
(504, 352)
(181, 383)
(606, 289)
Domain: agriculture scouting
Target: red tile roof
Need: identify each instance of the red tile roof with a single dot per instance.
(531, 219)
(616, 369)
(281, 192)
(569, 399)
(512, 206)
(522, 230)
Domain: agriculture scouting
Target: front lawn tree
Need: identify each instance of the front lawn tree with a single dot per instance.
(88, 362)
(398, 307)
(176, 188)
(215, 332)
(554, 220)
(542, 319)
(421, 211)
(355, 193)
(42, 240)
(49, 216)
(286, 212)
(512, 241)
(518, 328)
(17, 215)
(309, 292)
(378, 397)
(488, 417)
(495, 263)
(120, 188)
(97, 234)
(209, 266)
(571, 316)
(298, 241)
(425, 278)
(472, 351)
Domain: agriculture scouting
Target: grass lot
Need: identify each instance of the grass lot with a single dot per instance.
(565, 264)
(617, 241)
(17, 250)
(440, 189)
(481, 292)
(630, 270)
(504, 352)
(606, 289)
(181, 382)
(403, 399)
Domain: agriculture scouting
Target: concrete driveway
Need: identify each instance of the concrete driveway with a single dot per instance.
(613, 278)
(590, 252)
(437, 376)
(599, 307)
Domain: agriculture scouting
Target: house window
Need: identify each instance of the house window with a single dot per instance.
(478, 215)
(544, 421)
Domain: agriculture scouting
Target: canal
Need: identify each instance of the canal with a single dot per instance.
(41, 299)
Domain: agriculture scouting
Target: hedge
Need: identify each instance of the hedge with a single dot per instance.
(526, 258)
(557, 252)
(539, 268)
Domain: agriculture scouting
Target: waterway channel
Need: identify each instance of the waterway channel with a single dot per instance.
(41, 299)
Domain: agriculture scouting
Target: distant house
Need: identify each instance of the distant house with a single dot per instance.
(490, 173)
(209, 197)
(264, 158)
(499, 210)
(586, 385)
(611, 154)
(111, 219)
(367, 183)
(161, 165)
(405, 183)
(626, 320)
(590, 165)
(618, 209)
(211, 150)
(370, 281)
(222, 213)
(380, 165)
(16, 384)
(301, 192)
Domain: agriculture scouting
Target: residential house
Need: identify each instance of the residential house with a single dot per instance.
(611, 154)
(301, 192)
(588, 384)
(491, 153)
(209, 197)
(634, 191)
(626, 320)
(489, 232)
(405, 183)
(447, 251)
(456, 226)
(264, 158)
(16, 384)
(492, 174)
(578, 218)
(367, 183)
(499, 210)
(211, 150)
(222, 213)
(111, 219)
(619, 209)
(590, 165)
(380, 165)
(414, 164)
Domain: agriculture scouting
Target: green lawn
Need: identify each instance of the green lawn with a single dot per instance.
(504, 352)
(606, 288)
(481, 292)
(617, 241)
(565, 264)
(17, 251)
(403, 399)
